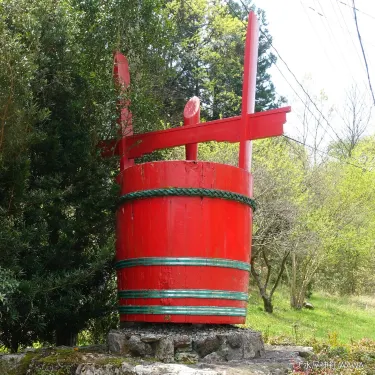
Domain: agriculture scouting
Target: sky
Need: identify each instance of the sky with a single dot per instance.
(318, 40)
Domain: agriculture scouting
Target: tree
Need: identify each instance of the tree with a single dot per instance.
(59, 193)
(57, 101)
(206, 59)
(17, 114)
(278, 173)
(212, 36)
(356, 115)
(349, 267)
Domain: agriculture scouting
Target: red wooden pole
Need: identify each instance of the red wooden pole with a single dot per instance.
(248, 89)
(122, 78)
(192, 117)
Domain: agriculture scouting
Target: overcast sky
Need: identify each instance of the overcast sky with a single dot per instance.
(318, 38)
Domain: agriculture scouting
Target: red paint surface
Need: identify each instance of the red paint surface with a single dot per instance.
(188, 226)
(184, 227)
(192, 117)
(262, 125)
(248, 89)
(122, 78)
(243, 129)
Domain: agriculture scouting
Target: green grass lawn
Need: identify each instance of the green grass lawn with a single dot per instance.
(336, 319)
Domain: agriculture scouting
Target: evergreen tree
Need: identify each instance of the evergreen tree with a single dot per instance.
(206, 59)
(57, 101)
(57, 192)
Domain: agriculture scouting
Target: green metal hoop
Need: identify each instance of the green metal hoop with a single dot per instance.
(188, 192)
(183, 293)
(162, 261)
(183, 310)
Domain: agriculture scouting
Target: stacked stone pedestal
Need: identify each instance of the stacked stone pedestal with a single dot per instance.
(187, 343)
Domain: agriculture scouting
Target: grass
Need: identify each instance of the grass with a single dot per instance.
(339, 319)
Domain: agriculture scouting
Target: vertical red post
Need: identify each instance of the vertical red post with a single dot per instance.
(122, 78)
(248, 88)
(191, 117)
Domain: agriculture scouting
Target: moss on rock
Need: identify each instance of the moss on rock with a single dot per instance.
(57, 361)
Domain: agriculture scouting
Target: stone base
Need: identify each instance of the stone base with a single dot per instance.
(186, 343)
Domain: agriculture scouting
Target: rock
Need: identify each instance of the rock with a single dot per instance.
(166, 341)
(137, 347)
(230, 354)
(187, 357)
(150, 338)
(277, 360)
(165, 350)
(182, 341)
(213, 358)
(91, 369)
(116, 342)
(306, 351)
(10, 362)
(308, 305)
(253, 346)
(173, 369)
(206, 345)
(302, 351)
(234, 340)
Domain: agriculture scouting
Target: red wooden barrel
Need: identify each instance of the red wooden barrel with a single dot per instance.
(184, 259)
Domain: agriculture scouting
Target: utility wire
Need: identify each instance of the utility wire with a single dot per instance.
(296, 79)
(346, 28)
(333, 23)
(293, 75)
(337, 44)
(299, 97)
(303, 89)
(363, 50)
(356, 9)
(326, 153)
(322, 44)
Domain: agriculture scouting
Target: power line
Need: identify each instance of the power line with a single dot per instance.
(325, 153)
(306, 93)
(363, 50)
(301, 86)
(356, 9)
(330, 33)
(316, 33)
(299, 97)
(293, 75)
(337, 44)
(319, 13)
(347, 29)
(296, 79)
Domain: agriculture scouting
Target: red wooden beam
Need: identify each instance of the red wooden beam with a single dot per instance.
(261, 125)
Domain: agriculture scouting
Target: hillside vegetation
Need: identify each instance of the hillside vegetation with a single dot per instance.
(334, 319)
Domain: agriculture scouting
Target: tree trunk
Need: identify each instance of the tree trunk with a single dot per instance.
(267, 302)
(66, 337)
(14, 346)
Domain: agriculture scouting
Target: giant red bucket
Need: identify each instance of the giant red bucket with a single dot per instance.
(185, 258)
